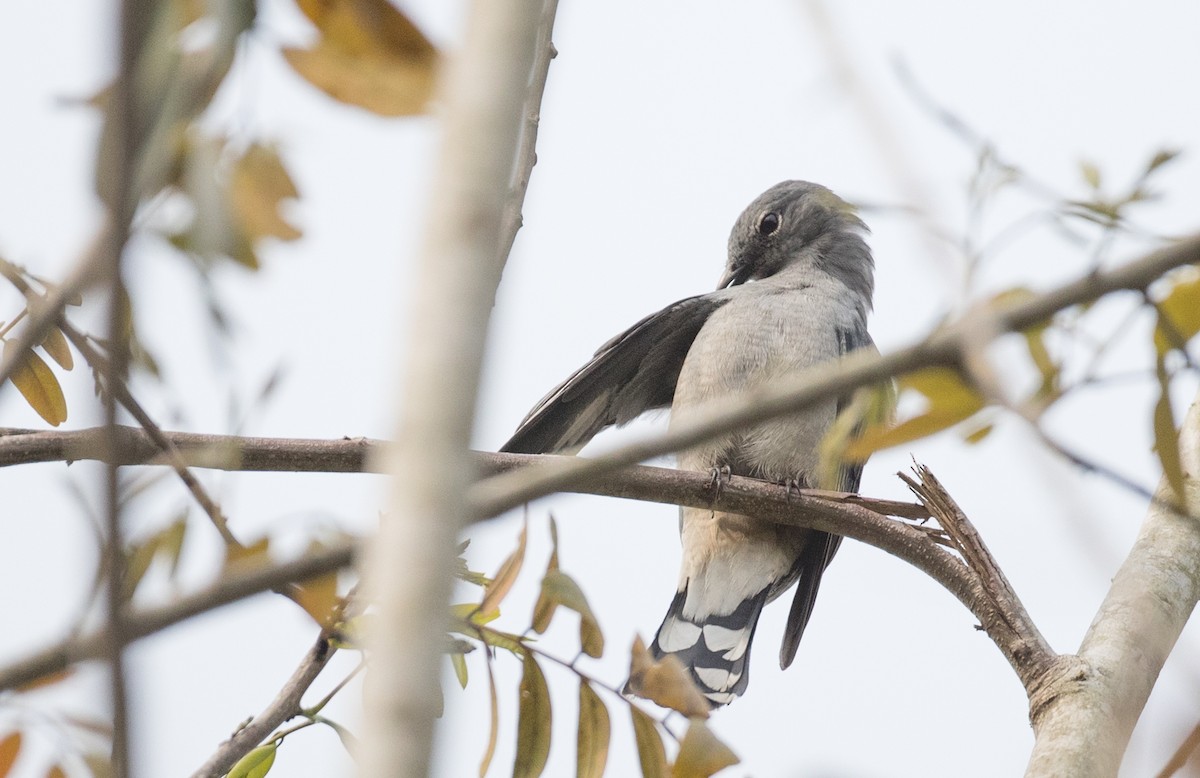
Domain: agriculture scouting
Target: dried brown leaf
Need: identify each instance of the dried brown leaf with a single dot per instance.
(701, 753)
(506, 576)
(10, 749)
(664, 682)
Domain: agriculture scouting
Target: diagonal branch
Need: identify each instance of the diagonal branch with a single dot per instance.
(285, 706)
(945, 347)
(1010, 625)
(144, 622)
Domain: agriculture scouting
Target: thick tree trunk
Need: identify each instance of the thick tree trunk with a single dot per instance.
(1084, 717)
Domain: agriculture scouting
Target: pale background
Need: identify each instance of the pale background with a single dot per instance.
(661, 122)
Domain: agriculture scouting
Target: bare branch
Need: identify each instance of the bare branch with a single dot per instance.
(215, 452)
(945, 347)
(1009, 624)
(138, 624)
(285, 706)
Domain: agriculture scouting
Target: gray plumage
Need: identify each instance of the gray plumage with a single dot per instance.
(795, 293)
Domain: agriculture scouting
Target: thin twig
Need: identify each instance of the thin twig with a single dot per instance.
(285, 706)
(120, 390)
(527, 155)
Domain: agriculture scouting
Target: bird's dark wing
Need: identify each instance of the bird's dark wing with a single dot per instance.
(821, 546)
(634, 372)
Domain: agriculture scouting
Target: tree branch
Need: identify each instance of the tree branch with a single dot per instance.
(945, 347)
(285, 706)
(1084, 715)
(1008, 624)
(408, 574)
(138, 624)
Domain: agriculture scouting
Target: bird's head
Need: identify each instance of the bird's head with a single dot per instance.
(797, 224)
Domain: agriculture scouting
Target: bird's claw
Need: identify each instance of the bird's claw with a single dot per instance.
(720, 477)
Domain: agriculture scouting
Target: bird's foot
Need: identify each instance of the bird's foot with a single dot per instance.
(792, 485)
(720, 477)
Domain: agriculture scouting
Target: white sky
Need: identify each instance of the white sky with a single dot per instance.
(661, 122)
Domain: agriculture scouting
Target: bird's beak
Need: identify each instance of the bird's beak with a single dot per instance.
(734, 276)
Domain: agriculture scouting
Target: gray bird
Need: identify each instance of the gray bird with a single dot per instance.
(795, 293)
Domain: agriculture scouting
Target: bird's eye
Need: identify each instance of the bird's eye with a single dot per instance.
(768, 223)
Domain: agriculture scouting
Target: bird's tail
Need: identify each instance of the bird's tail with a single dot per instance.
(714, 649)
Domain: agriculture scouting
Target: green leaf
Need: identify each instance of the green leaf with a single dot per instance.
(595, 729)
(651, 754)
(701, 754)
(1166, 437)
(533, 722)
(460, 668)
(255, 764)
(36, 382)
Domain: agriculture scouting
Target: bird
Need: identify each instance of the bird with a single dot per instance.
(796, 291)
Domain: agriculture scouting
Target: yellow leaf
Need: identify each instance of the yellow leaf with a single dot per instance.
(664, 682)
(701, 754)
(949, 401)
(558, 588)
(10, 749)
(382, 85)
(651, 754)
(533, 722)
(595, 729)
(369, 54)
(544, 609)
(460, 668)
(37, 384)
(1178, 314)
(1166, 437)
(255, 764)
(244, 558)
(368, 26)
(258, 186)
(319, 598)
(99, 763)
(870, 408)
(55, 344)
(504, 579)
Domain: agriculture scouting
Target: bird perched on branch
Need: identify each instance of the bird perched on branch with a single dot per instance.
(795, 293)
